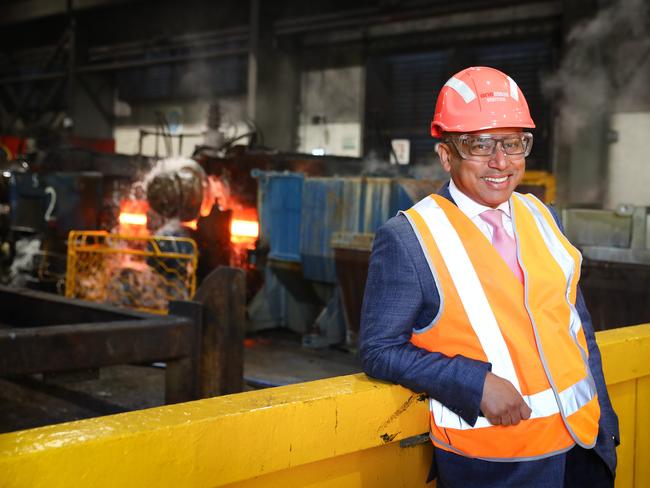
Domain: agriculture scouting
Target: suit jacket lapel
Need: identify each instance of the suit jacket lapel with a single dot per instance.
(444, 191)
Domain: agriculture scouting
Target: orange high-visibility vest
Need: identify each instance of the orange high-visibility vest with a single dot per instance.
(531, 333)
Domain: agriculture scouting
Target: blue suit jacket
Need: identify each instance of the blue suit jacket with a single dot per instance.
(401, 295)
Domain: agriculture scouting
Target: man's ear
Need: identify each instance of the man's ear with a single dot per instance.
(444, 153)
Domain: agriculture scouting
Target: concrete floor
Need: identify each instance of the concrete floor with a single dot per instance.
(268, 361)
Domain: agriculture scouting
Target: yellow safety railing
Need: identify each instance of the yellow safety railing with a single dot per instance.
(544, 181)
(348, 431)
(141, 273)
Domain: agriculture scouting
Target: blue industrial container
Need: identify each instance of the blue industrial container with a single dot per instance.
(71, 199)
(377, 205)
(280, 200)
(299, 215)
(407, 192)
(27, 201)
(329, 205)
(349, 205)
(74, 200)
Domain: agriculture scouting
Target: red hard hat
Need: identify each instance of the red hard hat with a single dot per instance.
(480, 98)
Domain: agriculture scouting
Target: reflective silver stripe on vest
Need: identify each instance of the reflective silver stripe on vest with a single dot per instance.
(469, 288)
(542, 404)
(566, 263)
(441, 305)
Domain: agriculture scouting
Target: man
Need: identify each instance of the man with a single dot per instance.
(472, 297)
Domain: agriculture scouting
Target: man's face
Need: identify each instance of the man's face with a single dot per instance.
(488, 180)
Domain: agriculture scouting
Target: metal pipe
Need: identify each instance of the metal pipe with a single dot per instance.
(146, 132)
(309, 23)
(98, 68)
(188, 41)
(14, 12)
(253, 54)
(203, 40)
(153, 62)
(372, 17)
(72, 47)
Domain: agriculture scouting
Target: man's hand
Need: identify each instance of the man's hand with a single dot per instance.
(501, 403)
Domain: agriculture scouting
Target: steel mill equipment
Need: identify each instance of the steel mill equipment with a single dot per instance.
(615, 246)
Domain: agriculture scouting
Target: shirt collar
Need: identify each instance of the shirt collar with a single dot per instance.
(471, 208)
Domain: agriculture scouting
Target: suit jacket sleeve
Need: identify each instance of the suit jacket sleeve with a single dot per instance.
(394, 304)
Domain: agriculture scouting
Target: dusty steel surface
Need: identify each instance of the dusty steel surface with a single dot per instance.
(78, 346)
(49, 333)
(29, 402)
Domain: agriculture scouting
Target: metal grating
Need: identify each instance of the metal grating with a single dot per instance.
(141, 273)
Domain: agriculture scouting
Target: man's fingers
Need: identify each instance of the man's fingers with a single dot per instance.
(525, 411)
(515, 417)
(501, 403)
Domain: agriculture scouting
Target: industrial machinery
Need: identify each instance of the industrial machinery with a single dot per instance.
(212, 200)
(616, 236)
(301, 226)
(43, 199)
(615, 245)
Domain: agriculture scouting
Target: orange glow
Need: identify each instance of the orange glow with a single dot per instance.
(245, 229)
(192, 224)
(133, 218)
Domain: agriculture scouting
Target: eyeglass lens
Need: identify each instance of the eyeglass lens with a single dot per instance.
(486, 146)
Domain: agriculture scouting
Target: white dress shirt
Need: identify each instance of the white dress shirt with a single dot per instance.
(473, 209)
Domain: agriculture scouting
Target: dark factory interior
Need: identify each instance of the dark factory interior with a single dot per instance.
(189, 191)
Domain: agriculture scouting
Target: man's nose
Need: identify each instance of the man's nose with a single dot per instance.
(499, 158)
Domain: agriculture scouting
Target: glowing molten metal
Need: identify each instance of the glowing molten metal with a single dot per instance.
(244, 230)
(191, 224)
(133, 218)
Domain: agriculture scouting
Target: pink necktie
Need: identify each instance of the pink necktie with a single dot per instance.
(502, 242)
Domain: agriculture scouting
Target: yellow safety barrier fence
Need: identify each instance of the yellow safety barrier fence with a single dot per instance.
(541, 183)
(142, 273)
(339, 432)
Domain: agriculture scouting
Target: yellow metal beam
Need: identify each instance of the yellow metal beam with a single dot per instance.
(215, 441)
(625, 353)
(337, 432)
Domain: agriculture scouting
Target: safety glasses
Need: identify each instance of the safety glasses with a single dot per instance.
(473, 146)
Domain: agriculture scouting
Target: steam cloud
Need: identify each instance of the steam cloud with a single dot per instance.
(606, 67)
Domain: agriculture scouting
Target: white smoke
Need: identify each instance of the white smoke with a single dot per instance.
(373, 164)
(23, 263)
(606, 67)
(169, 165)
